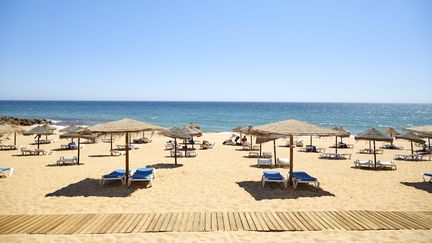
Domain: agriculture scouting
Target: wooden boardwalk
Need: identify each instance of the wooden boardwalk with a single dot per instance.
(214, 221)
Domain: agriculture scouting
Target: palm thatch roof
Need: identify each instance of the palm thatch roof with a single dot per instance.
(69, 128)
(391, 131)
(123, 126)
(48, 126)
(373, 135)
(5, 129)
(425, 131)
(39, 130)
(80, 133)
(410, 136)
(177, 132)
(194, 125)
(296, 128)
(237, 129)
(342, 132)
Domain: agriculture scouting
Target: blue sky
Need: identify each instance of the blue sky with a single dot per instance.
(318, 51)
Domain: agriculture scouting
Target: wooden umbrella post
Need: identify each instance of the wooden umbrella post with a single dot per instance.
(251, 146)
(274, 150)
(412, 148)
(111, 142)
(15, 138)
(374, 154)
(185, 143)
(429, 143)
(79, 150)
(38, 140)
(175, 150)
(291, 159)
(127, 158)
(260, 149)
(310, 142)
(336, 145)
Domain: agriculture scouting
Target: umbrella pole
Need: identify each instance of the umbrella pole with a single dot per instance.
(336, 145)
(274, 150)
(251, 142)
(260, 149)
(291, 158)
(39, 140)
(429, 143)
(185, 142)
(310, 143)
(374, 154)
(127, 158)
(78, 150)
(15, 138)
(412, 148)
(111, 141)
(175, 150)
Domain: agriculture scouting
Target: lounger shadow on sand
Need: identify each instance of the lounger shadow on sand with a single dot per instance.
(90, 187)
(276, 191)
(423, 185)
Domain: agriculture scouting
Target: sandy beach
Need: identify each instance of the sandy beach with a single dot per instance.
(220, 179)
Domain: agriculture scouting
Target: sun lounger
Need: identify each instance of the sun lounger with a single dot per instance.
(282, 162)
(267, 155)
(253, 154)
(116, 152)
(427, 175)
(180, 153)
(273, 176)
(117, 175)
(25, 151)
(246, 147)
(363, 163)
(386, 165)
(264, 162)
(143, 174)
(67, 160)
(43, 152)
(142, 140)
(391, 146)
(370, 151)
(9, 172)
(131, 147)
(107, 140)
(303, 177)
(192, 153)
(169, 146)
(8, 147)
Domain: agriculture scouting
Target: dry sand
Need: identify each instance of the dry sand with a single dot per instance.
(221, 179)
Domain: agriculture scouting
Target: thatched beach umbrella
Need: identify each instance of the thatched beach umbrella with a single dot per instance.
(293, 128)
(9, 129)
(69, 128)
(248, 131)
(392, 132)
(373, 135)
(179, 133)
(79, 133)
(341, 133)
(124, 126)
(39, 131)
(423, 131)
(410, 136)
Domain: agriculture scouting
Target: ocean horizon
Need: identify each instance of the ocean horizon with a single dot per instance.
(222, 116)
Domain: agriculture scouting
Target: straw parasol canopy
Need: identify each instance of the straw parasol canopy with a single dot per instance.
(423, 131)
(194, 125)
(124, 126)
(48, 126)
(39, 131)
(392, 132)
(79, 133)
(293, 128)
(343, 133)
(373, 135)
(69, 128)
(9, 129)
(412, 137)
(180, 133)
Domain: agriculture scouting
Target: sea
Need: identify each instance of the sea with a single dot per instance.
(224, 116)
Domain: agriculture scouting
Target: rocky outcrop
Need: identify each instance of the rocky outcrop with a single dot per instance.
(21, 121)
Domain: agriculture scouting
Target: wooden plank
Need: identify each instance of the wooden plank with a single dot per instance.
(195, 222)
(66, 226)
(238, 221)
(127, 222)
(286, 221)
(279, 221)
(393, 224)
(158, 223)
(271, 222)
(294, 221)
(208, 222)
(153, 222)
(171, 223)
(378, 220)
(232, 222)
(261, 221)
(220, 223)
(189, 223)
(331, 221)
(22, 229)
(85, 227)
(13, 220)
(177, 223)
(245, 222)
(403, 220)
(145, 222)
(116, 224)
(19, 222)
(302, 221)
(106, 224)
(316, 221)
(54, 222)
(225, 221)
(183, 223)
(96, 224)
(369, 225)
(164, 225)
(314, 226)
(214, 224)
(40, 224)
(348, 220)
(202, 222)
(74, 228)
(6, 218)
(134, 223)
(418, 218)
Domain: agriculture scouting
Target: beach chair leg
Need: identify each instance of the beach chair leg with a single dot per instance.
(263, 182)
(11, 172)
(285, 184)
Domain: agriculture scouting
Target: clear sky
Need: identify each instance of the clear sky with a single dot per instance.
(214, 50)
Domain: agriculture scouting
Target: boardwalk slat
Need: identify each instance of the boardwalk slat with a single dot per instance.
(367, 224)
(238, 221)
(279, 221)
(271, 222)
(418, 218)
(295, 222)
(116, 224)
(232, 222)
(379, 221)
(145, 223)
(220, 223)
(261, 221)
(302, 221)
(244, 221)
(189, 222)
(127, 223)
(58, 219)
(67, 225)
(153, 223)
(255, 221)
(349, 220)
(178, 222)
(195, 222)
(24, 220)
(134, 223)
(10, 223)
(202, 222)
(171, 223)
(214, 224)
(311, 222)
(286, 221)
(158, 223)
(183, 222)
(164, 224)
(316, 221)
(208, 222)
(372, 218)
(334, 222)
(226, 221)
(141, 222)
